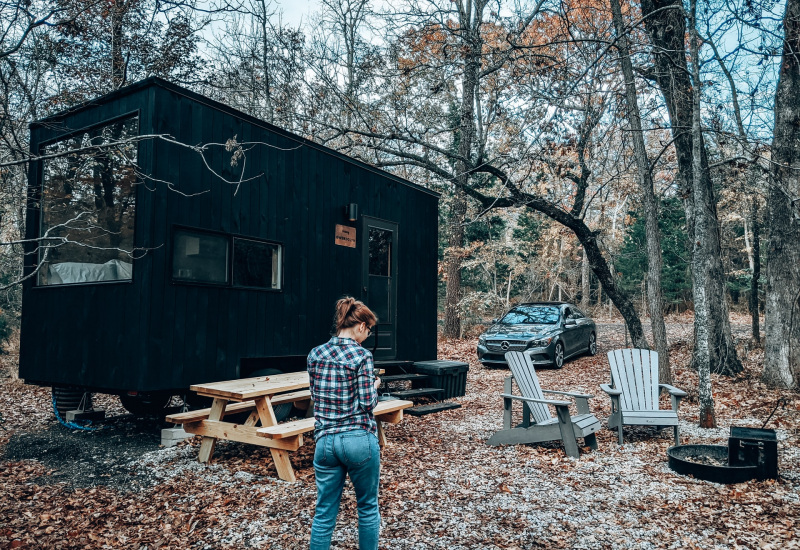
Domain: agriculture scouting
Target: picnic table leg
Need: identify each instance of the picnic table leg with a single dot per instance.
(310, 409)
(279, 456)
(252, 420)
(208, 443)
(381, 434)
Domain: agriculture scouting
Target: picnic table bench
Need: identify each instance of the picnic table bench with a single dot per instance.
(258, 396)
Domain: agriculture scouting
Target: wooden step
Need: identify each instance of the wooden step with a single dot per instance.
(421, 392)
(391, 363)
(403, 377)
(430, 408)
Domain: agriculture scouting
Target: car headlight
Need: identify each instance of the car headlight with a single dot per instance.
(542, 343)
(482, 340)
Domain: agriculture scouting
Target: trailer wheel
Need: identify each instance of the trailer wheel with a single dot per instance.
(146, 404)
(283, 411)
(70, 399)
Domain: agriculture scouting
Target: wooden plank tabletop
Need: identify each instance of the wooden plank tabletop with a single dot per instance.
(249, 388)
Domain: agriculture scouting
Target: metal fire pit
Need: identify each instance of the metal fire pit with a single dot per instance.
(708, 462)
(752, 453)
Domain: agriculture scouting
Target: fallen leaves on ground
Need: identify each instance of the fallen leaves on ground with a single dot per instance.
(441, 485)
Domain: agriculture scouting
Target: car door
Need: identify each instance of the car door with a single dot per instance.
(584, 324)
(571, 332)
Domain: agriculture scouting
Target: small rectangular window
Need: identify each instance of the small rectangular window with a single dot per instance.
(256, 264)
(200, 257)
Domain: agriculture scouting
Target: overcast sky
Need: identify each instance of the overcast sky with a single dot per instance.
(296, 10)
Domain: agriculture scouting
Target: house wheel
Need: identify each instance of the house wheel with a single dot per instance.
(146, 404)
(70, 399)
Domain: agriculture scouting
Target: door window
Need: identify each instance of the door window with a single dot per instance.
(380, 269)
(380, 252)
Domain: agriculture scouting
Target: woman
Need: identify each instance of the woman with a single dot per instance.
(344, 390)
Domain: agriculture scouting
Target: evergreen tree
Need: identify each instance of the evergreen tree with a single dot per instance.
(632, 263)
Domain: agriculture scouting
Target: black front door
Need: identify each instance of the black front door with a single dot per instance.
(379, 254)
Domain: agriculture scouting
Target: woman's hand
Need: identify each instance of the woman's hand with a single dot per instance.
(377, 382)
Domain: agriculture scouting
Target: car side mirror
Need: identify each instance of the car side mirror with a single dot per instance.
(570, 322)
(495, 321)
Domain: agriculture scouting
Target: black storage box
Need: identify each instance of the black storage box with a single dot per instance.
(450, 376)
(755, 446)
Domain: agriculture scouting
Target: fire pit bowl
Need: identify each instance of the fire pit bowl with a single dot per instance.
(709, 463)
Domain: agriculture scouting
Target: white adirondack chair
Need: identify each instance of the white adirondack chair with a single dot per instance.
(544, 427)
(634, 392)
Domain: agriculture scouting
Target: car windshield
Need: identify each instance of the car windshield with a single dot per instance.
(531, 315)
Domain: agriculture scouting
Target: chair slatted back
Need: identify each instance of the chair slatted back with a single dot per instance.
(528, 383)
(635, 373)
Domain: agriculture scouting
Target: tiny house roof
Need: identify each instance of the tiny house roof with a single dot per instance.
(160, 82)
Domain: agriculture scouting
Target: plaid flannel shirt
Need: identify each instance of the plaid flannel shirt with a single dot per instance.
(342, 383)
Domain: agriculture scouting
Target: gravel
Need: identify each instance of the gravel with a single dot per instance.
(442, 486)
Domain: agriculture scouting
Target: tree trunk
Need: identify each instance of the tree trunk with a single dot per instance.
(469, 23)
(585, 282)
(453, 257)
(263, 21)
(117, 58)
(782, 319)
(756, 252)
(702, 264)
(665, 24)
(655, 300)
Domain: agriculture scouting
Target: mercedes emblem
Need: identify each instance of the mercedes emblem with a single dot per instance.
(504, 345)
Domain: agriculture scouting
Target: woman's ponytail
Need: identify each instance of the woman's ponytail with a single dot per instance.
(350, 312)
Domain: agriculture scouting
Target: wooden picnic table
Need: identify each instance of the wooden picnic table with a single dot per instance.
(259, 395)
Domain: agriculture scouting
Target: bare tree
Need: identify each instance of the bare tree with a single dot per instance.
(782, 320)
(257, 64)
(655, 262)
(666, 26)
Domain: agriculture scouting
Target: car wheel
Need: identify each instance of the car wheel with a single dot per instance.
(558, 355)
(592, 344)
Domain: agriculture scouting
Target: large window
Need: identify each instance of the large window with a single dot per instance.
(204, 257)
(88, 206)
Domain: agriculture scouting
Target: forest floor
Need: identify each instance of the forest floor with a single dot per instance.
(441, 485)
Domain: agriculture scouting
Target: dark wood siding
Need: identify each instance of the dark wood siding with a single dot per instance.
(156, 334)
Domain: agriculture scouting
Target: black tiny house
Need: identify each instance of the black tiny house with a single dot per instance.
(243, 236)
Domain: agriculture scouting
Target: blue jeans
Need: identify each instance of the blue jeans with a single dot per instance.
(355, 453)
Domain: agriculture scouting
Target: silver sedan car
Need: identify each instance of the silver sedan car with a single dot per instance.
(550, 332)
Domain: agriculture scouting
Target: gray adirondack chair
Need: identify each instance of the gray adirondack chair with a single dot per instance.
(634, 392)
(544, 426)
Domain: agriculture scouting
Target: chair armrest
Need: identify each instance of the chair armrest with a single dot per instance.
(675, 396)
(532, 400)
(570, 394)
(672, 390)
(610, 391)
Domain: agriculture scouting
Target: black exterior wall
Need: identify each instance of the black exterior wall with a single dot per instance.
(152, 333)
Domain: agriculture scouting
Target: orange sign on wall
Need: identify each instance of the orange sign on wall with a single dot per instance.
(345, 236)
